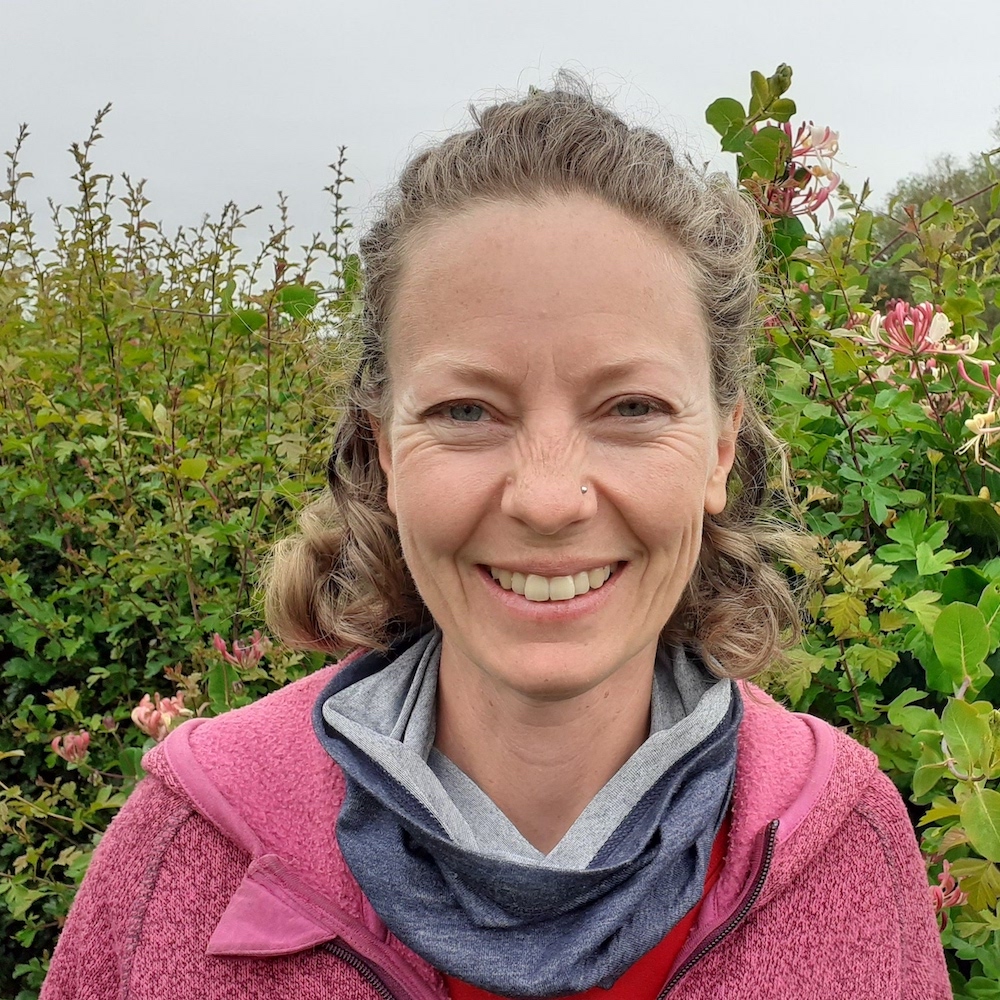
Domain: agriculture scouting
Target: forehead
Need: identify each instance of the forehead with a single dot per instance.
(512, 278)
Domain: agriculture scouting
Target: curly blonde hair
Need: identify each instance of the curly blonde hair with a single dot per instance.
(341, 580)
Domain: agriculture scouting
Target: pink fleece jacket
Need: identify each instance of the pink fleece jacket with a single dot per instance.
(221, 877)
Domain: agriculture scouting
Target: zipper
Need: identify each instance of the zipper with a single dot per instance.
(361, 967)
(735, 920)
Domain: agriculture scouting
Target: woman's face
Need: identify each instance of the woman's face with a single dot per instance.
(535, 349)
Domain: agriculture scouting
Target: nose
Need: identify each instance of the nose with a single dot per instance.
(543, 490)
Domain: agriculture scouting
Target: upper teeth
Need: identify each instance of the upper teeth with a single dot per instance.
(551, 588)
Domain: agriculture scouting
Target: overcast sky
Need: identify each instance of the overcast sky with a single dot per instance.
(218, 100)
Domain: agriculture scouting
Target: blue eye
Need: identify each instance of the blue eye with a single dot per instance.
(468, 413)
(634, 408)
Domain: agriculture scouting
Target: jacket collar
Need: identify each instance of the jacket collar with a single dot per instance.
(260, 777)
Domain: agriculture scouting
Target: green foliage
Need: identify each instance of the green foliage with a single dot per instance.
(889, 416)
(164, 406)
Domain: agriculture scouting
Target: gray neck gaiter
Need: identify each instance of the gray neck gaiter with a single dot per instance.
(453, 878)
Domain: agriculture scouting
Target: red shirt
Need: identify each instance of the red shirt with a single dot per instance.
(647, 977)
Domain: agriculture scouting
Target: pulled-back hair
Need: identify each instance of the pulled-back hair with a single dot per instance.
(342, 580)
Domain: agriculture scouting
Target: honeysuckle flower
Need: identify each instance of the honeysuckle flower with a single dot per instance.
(918, 332)
(946, 894)
(991, 385)
(796, 194)
(817, 143)
(940, 403)
(809, 177)
(984, 428)
(244, 654)
(71, 747)
(157, 716)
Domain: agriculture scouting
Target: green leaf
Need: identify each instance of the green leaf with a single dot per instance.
(974, 515)
(980, 880)
(726, 115)
(924, 606)
(843, 612)
(981, 819)
(909, 531)
(963, 583)
(798, 675)
(864, 575)
(989, 604)
(351, 275)
(130, 762)
(735, 141)
(930, 562)
(297, 300)
(862, 235)
(219, 686)
(782, 109)
(247, 321)
(145, 407)
(765, 154)
(968, 734)
(928, 771)
(940, 810)
(961, 640)
(911, 718)
(760, 91)
(788, 235)
(875, 662)
(193, 468)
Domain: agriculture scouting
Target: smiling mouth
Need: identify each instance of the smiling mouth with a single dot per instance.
(533, 587)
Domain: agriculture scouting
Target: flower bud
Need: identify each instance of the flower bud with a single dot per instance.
(72, 747)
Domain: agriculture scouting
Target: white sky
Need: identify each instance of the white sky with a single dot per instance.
(218, 100)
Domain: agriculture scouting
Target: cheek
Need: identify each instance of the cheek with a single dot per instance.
(668, 505)
(438, 500)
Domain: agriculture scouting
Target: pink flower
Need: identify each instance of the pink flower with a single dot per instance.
(71, 747)
(992, 386)
(156, 716)
(244, 654)
(814, 142)
(946, 894)
(809, 177)
(919, 331)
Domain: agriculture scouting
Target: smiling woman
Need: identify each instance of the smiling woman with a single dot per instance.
(544, 773)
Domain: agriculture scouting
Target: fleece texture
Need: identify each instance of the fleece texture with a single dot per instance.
(222, 878)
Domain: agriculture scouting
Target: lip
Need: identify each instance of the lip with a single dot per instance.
(552, 611)
(557, 569)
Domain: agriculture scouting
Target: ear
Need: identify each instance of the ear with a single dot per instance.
(381, 434)
(715, 488)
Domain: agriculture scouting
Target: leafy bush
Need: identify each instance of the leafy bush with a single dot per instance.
(889, 411)
(164, 406)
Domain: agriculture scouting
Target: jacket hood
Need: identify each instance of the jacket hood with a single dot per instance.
(260, 776)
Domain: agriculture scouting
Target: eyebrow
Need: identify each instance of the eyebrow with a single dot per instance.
(487, 374)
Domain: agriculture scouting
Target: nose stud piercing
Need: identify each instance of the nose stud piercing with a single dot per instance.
(583, 489)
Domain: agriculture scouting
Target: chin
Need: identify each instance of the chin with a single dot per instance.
(551, 674)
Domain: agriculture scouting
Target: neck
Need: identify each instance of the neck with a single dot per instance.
(541, 761)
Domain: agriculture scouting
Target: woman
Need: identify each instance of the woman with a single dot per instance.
(546, 532)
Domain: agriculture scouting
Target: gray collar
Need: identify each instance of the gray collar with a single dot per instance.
(391, 717)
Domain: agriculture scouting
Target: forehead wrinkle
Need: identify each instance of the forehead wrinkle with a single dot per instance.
(466, 368)
(485, 373)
